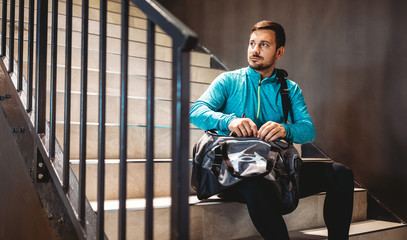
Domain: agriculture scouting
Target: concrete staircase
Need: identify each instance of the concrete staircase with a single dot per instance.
(216, 219)
(211, 219)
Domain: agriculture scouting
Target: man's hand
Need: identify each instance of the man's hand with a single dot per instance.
(243, 127)
(270, 131)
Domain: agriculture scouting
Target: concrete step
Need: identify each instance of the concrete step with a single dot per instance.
(198, 74)
(135, 178)
(135, 174)
(136, 50)
(137, 107)
(214, 219)
(137, 84)
(113, 31)
(136, 140)
(363, 230)
(136, 16)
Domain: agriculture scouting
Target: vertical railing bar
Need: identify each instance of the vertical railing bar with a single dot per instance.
(180, 145)
(54, 62)
(84, 105)
(41, 65)
(102, 121)
(4, 29)
(150, 130)
(123, 119)
(67, 119)
(20, 44)
(11, 39)
(30, 57)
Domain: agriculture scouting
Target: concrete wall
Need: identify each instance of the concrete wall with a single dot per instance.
(350, 59)
(21, 213)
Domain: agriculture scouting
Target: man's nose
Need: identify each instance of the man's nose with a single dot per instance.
(256, 49)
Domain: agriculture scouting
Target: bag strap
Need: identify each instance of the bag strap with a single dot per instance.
(216, 165)
(284, 92)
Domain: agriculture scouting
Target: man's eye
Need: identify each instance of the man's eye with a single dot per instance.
(264, 45)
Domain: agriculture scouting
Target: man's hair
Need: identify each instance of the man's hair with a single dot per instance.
(277, 28)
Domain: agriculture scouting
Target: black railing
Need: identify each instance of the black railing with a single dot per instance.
(102, 120)
(123, 119)
(4, 28)
(83, 113)
(183, 40)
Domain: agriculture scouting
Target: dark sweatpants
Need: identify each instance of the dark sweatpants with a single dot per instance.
(333, 178)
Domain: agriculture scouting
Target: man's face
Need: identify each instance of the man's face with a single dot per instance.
(261, 53)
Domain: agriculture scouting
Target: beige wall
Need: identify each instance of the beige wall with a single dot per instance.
(350, 59)
(21, 213)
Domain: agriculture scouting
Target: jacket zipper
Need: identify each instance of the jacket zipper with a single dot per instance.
(258, 99)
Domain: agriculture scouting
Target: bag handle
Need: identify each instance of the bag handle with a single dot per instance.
(231, 170)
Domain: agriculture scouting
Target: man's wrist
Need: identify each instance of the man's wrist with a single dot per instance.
(288, 136)
(227, 122)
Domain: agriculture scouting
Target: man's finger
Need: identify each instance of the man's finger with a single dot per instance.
(248, 128)
(272, 135)
(263, 126)
(266, 131)
(253, 128)
(242, 129)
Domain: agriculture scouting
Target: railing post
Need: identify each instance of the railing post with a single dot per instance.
(84, 105)
(30, 70)
(41, 65)
(67, 117)
(102, 121)
(54, 61)
(41, 79)
(11, 39)
(123, 119)
(149, 214)
(20, 44)
(4, 28)
(180, 145)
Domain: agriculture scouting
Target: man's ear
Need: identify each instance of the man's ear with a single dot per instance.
(280, 52)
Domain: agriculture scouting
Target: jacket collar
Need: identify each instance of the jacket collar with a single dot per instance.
(255, 76)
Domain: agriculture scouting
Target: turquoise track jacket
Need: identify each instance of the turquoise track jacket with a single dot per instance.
(242, 91)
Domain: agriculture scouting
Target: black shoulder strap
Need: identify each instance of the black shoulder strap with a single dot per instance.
(284, 92)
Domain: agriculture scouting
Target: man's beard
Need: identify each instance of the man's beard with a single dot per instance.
(261, 66)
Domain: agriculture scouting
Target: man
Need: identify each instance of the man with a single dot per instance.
(247, 101)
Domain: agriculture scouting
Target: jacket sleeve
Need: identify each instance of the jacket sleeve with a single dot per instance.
(300, 128)
(205, 112)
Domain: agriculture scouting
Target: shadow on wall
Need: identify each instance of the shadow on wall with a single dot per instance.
(350, 59)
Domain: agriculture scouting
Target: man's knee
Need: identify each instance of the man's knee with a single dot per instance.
(343, 174)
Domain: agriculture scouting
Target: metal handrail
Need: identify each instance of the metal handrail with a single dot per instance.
(184, 40)
(180, 33)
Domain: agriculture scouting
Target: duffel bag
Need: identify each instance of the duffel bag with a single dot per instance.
(220, 162)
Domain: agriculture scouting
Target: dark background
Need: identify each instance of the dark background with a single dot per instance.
(350, 59)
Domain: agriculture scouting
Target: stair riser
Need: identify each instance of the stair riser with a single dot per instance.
(113, 31)
(136, 114)
(136, 141)
(225, 221)
(137, 85)
(200, 77)
(136, 17)
(390, 234)
(135, 180)
(136, 49)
